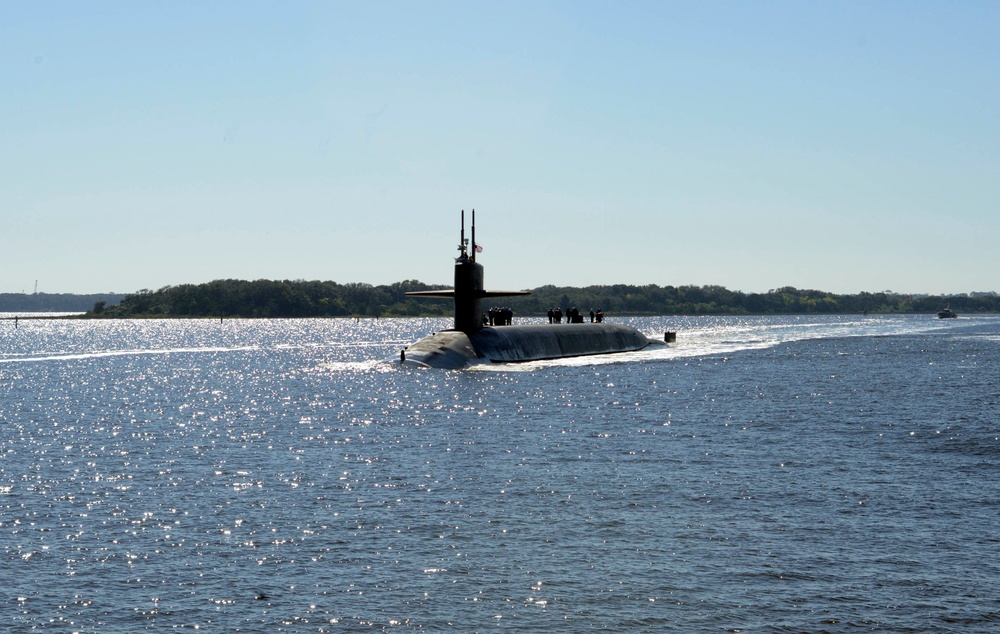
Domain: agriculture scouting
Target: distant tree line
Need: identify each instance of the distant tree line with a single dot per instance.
(717, 300)
(266, 298)
(53, 302)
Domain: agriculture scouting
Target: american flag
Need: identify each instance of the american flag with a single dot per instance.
(479, 249)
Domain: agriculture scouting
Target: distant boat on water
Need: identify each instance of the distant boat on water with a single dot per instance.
(947, 313)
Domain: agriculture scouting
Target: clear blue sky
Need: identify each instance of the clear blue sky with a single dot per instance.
(843, 146)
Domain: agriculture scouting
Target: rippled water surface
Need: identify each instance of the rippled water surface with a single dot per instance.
(799, 474)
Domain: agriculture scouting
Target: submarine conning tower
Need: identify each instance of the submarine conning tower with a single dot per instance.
(469, 290)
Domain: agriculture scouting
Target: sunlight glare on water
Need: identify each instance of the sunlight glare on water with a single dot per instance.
(761, 474)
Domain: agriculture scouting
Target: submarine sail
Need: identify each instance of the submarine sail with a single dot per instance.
(470, 341)
(468, 292)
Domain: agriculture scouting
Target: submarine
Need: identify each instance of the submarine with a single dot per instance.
(470, 341)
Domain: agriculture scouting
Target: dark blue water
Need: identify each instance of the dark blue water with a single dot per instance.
(764, 475)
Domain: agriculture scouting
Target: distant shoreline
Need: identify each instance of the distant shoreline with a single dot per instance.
(229, 299)
(12, 315)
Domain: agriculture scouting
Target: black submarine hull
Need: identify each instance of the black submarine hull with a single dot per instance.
(454, 349)
(472, 342)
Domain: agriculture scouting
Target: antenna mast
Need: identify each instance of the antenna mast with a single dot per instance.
(473, 235)
(463, 243)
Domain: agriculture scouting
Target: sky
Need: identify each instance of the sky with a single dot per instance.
(840, 146)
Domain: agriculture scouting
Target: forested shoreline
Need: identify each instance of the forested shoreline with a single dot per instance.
(299, 298)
